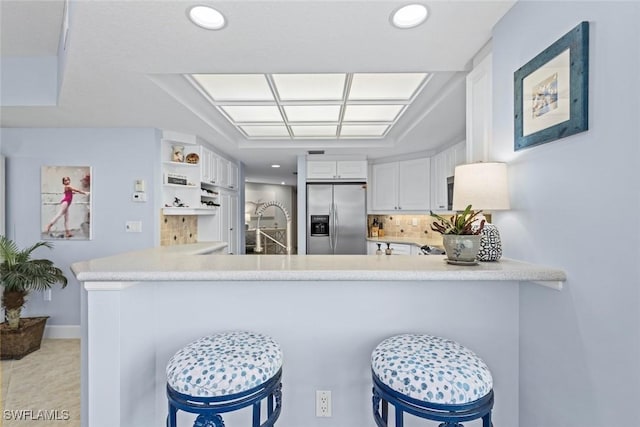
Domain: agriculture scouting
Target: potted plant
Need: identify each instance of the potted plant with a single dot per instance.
(20, 274)
(460, 235)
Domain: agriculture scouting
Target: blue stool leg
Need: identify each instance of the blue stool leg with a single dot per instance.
(270, 400)
(171, 418)
(385, 411)
(486, 420)
(399, 417)
(256, 414)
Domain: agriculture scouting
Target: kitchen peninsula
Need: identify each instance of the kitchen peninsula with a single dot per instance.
(327, 312)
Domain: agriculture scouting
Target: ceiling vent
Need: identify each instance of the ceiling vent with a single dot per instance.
(315, 152)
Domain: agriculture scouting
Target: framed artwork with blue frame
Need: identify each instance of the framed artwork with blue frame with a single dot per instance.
(552, 91)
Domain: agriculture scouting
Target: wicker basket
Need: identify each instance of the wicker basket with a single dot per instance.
(17, 343)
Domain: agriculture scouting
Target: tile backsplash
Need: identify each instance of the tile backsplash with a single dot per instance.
(178, 229)
(408, 225)
(404, 225)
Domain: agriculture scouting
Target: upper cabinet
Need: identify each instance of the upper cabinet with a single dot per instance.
(337, 170)
(443, 166)
(479, 115)
(218, 171)
(401, 186)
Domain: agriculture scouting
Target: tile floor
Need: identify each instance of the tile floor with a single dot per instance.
(43, 388)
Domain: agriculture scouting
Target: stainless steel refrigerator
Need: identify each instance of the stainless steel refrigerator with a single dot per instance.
(336, 218)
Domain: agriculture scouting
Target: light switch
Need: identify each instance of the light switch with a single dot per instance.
(139, 185)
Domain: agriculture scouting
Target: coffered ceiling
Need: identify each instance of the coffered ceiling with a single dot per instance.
(143, 63)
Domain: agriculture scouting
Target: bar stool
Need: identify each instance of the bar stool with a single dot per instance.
(225, 372)
(432, 378)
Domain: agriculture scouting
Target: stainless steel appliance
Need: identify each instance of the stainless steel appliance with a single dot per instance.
(450, 193)
(336, 218)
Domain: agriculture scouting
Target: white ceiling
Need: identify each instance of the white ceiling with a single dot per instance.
(126, 61)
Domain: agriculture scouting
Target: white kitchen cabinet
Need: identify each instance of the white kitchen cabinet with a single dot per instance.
(479, 111)
(232, 176)
(443, 166)
(218, 171)
(401, 186)
(337, 169)
(208, 166)
(228, 222)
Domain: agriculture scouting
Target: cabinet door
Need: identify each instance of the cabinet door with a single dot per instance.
(400, 249)
(351, 169)
(414, 185)
(439, 181)
(205, 165)
(321, 169)
(384, 195)
(228, 221)
(233, 232)
(233, 176)
(479, 113)
(223, 172)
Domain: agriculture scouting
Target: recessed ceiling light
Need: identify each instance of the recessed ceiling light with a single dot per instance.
(275, 166)
(207, 17)
(409, 16)
(282, 183)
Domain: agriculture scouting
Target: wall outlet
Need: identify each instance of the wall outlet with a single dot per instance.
(139, 196)
(323, 403)
(133, 226)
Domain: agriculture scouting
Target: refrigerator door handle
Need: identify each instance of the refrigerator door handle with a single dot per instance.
(332, 229)
(335, 226)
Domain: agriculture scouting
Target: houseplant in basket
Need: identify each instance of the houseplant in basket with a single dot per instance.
(460, 235)
(20, 274)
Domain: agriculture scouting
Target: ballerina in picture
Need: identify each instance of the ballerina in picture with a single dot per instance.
(65, 203)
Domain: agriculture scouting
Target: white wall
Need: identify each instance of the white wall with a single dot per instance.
(574, 206)
(117, 158)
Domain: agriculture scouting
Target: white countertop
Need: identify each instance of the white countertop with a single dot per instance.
(183, 263)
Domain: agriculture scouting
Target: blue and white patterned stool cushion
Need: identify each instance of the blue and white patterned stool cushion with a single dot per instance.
(224, 364)
(431, 369)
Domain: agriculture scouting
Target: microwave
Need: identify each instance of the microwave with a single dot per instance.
(450, 193)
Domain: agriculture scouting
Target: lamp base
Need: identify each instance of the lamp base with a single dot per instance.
(490, 244)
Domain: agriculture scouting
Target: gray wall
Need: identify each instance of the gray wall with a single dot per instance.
(117, 158)
(574, 206)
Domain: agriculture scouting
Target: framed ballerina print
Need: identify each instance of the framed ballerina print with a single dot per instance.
(65, 194)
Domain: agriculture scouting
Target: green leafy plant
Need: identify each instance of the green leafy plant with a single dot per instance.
(461, 223)
(19, 274)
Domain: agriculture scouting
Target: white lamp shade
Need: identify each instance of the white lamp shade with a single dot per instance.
(481, 185)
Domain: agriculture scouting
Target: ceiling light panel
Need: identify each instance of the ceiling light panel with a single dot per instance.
(314, 131)
(253, 113)
(265, 131)
(302, 87)
(371, 113)
(308, 106)
(235, 87)
(312, 113)
(385, 86)
(361, 131)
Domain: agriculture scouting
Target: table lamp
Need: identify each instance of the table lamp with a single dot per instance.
(484, 187)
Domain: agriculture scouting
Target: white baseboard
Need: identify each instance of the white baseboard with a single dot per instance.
(62, 331)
